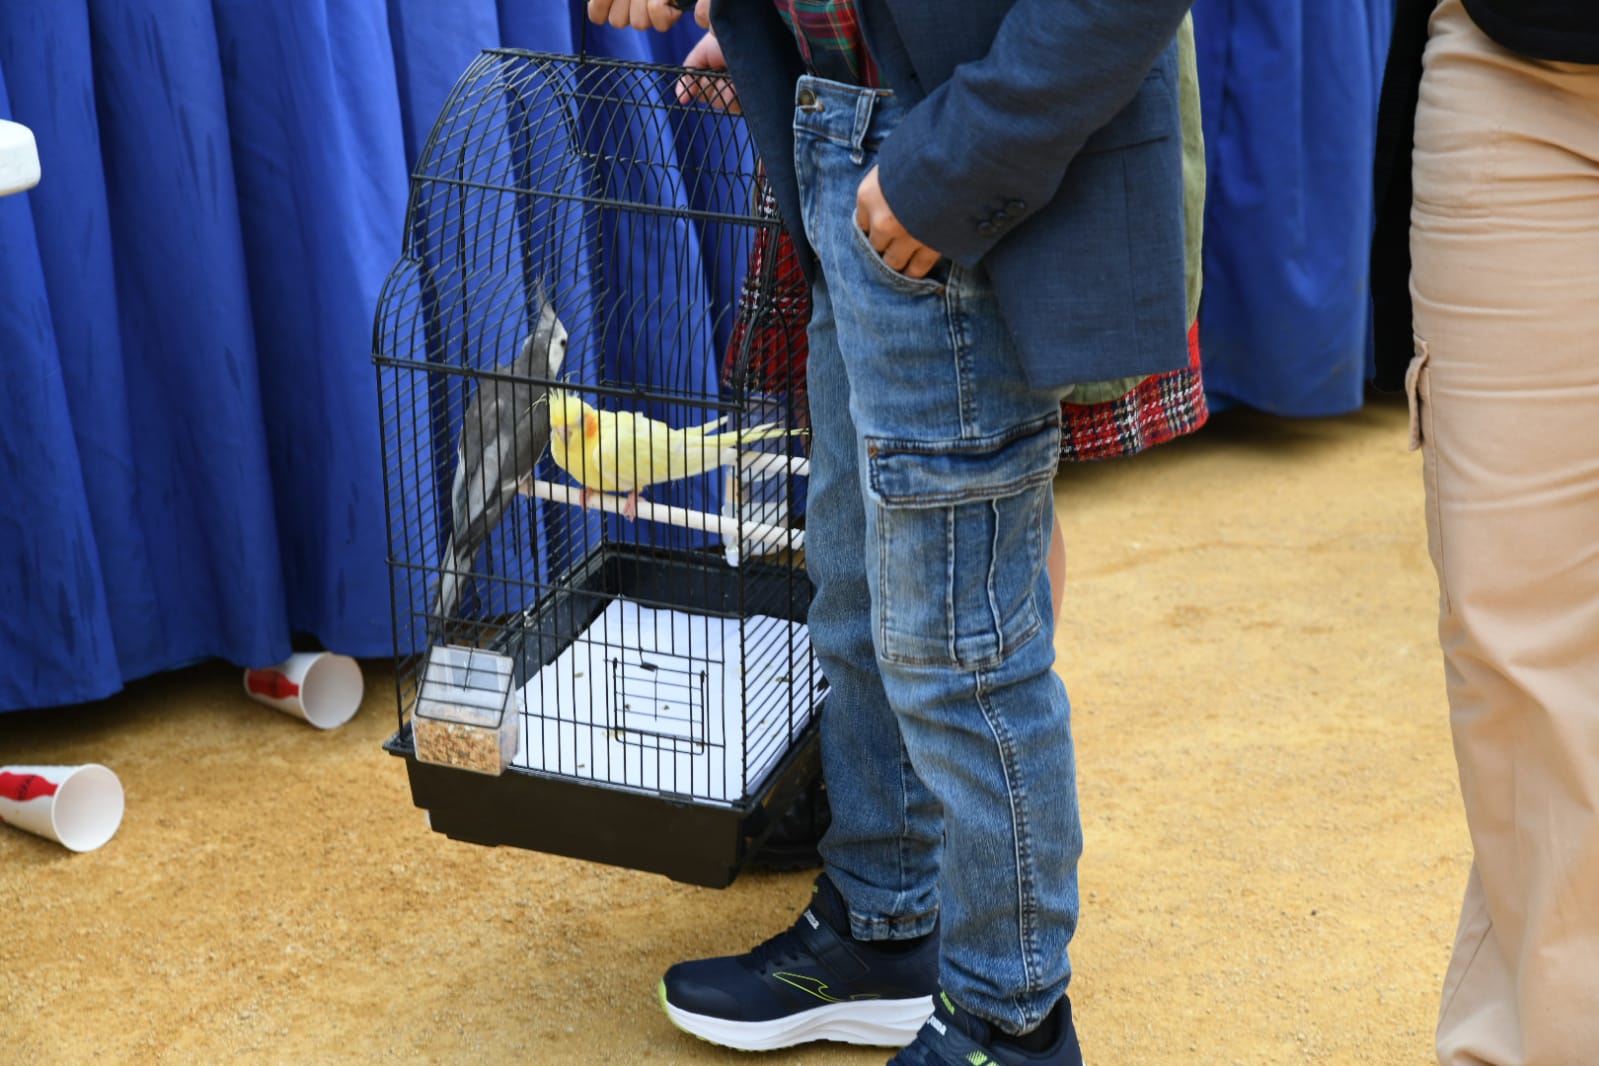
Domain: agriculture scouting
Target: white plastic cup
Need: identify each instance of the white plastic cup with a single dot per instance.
(19, 158)
(318, 686)
(79, 807)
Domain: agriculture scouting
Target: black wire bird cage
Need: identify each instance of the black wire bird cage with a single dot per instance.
(590, 367)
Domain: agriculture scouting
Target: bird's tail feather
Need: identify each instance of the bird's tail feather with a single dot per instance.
(765, 431)
(449, 591)
(694, 455)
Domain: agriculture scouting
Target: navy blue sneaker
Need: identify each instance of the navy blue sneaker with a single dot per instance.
(812, 982)
(953, 1037)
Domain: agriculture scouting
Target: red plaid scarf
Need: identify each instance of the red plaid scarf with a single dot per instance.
(1160, 408)
(829, 36)
(768, 347)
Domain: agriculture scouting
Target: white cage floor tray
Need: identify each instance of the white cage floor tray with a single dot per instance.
(670, 701)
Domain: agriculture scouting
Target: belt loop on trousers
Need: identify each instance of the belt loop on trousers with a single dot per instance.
(864, 100)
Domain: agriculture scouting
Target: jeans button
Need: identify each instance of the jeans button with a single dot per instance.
(807, 98)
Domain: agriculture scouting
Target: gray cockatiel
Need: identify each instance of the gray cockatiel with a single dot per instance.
(505, 430)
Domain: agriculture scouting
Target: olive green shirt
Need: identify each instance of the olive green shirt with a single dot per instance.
(1193, 205)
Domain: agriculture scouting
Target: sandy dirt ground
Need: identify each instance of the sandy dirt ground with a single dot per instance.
(1275, 849)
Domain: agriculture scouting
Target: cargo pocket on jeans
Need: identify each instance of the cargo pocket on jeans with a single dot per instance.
(1418, 394)
(962, 528)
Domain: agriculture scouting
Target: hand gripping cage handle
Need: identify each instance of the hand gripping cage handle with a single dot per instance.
(582, 30)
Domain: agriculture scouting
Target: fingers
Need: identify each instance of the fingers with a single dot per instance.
(867, 198)
(706, 55)
(662, 15)
(896, 254)
(921, 262)
(901, 252)
(702, 14)
(877, 221)
(622, 13)
(639, 14)
(904, 254)
(715, 92)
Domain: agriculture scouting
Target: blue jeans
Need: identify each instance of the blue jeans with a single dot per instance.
(946, 739)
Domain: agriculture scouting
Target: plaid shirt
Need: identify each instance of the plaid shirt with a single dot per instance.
(770, 341)
(829, 36)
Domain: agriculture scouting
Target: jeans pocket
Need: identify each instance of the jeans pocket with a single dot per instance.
(962, 528)
(1413, 385)
(931, 285)
(1423, 435)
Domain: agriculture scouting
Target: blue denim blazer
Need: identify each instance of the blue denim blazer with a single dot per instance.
(1043, 142)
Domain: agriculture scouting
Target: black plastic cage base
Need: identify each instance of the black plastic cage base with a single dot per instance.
(688, 842)
(684, 838)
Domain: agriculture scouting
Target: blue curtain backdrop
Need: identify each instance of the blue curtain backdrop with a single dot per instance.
(188, 425)
(1289, 91)
(189, 449)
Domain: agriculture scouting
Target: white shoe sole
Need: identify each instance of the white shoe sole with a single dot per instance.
(873, 1022)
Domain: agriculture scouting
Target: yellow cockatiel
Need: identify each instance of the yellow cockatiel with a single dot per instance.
(619, 451)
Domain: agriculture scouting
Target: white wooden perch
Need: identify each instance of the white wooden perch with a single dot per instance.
(731, 530)
(770, 464)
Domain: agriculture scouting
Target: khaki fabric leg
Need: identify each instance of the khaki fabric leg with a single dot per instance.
(1505, 387)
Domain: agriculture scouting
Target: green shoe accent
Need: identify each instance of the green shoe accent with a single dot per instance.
(811, 986)
(660, 993)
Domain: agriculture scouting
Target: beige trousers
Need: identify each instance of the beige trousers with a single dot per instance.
(1505, 399)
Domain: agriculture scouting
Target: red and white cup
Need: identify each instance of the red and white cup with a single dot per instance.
(79, 807)
(318, 686)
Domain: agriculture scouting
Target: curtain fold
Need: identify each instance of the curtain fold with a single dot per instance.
(189, 433)
(1289, 92)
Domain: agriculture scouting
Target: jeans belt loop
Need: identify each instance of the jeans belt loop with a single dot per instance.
(863, 122)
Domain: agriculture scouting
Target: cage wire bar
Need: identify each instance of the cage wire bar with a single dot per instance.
(584, 251)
